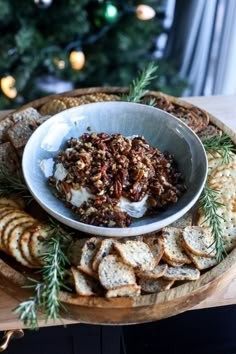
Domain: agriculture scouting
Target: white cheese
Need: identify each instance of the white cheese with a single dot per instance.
(79, 196)
(134, 209)
(60, 172)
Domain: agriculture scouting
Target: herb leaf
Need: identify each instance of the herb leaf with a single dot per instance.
(138, 86)
(223, 145)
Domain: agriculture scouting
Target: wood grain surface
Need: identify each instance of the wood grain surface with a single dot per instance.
(223, 292)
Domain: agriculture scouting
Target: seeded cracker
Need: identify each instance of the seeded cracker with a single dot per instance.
(137, 254)
(113, 273)
(157, 272)
(89, 251)
(173, 248)
(104, 250)
(155, 285)
(124, 291)
(75, 251)
(156, 245)
(84, 284)
(199, 240)
(182, 273)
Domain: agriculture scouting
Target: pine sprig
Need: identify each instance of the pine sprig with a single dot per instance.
(138, 86)
(13, 185)
(209, 203)
(53, 272)
(222, 145)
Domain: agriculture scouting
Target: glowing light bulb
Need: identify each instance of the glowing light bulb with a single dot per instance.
(7, 86)
(145, 12)
(77, 59)
(59, 63)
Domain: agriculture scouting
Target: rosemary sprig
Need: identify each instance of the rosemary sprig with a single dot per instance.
(209, 203)
(138, 86)
(27, 310)
(222, 145)
(53, 274)
(13, 185)
(54, 270)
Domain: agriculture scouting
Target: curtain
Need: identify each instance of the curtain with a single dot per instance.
(202, 45)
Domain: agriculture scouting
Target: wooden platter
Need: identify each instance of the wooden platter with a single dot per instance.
(97, 310)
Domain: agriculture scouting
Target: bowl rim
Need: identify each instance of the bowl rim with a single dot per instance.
(113, 231)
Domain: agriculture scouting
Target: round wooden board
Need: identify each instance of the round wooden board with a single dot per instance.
(97, 310)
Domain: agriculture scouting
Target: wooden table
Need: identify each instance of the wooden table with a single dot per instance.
(222, 107)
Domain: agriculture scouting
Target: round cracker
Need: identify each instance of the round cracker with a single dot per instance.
(37, 244)
(12, 202)
(24, 245)
(13, 220)
(14, 243)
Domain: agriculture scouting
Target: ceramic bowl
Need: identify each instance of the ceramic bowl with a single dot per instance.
(159, 128)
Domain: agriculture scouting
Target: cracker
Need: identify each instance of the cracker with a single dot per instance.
(17, 203)
(156, 245)
(173, 248)
(24, 245)
(14, 243)
(155, 285)
(8, 222)
(184, 221)
(89, 251)
(75, 251)
(228, 224)
(5, 124)
(171, 263)
(199, 240)
(37, 244)
(20, 132)
(8, 157)
(185, 272)
(209, 132)
(52, 107)
(113, 272)
(202, 263)
(124, 291)
(157, 272)
(137, 254)
(105, 249)
(84, 284)
(29, 112)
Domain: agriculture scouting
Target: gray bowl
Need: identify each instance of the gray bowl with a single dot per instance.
(159, 128)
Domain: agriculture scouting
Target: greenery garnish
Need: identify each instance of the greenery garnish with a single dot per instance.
(209, 199)
(138, 86)
(222, 145)
(13, 185)
(209, 203)
(53, 273)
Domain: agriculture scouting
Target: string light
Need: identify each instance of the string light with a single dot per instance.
(7, 86)
(77, 59)
(145, 12)
(59, 63)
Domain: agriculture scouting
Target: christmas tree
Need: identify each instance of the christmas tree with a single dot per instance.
(85, 43)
